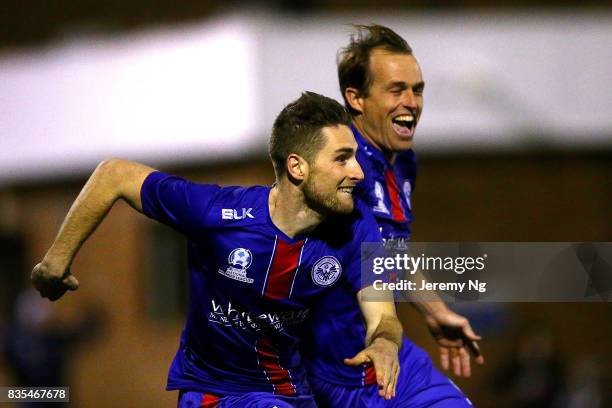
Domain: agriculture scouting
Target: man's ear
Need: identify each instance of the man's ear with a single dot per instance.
(354, 99)
(297, 167)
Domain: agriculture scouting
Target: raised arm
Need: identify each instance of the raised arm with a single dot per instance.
(383, 340)
(111, 180)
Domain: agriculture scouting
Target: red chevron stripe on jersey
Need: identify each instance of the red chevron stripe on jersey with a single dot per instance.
(397, 212)
(209, 401)
(283, 268)
(269, 361)
(370, 375)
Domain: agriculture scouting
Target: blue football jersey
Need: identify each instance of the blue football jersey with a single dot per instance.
(251, 286)
(341, 334)
(387, 188)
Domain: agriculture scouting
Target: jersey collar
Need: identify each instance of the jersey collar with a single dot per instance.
(369, 149)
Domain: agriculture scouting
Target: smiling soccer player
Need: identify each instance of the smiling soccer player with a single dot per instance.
(382, 85)
(259, 257)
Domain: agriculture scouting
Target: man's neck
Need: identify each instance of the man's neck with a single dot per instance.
(358, 123)
(289, 212)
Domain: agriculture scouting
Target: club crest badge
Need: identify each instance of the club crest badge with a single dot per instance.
(239, 260)
(326, 271)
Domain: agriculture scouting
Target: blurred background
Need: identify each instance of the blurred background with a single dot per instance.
(515, 144)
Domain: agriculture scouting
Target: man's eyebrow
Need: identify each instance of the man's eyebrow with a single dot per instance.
(397, 84)
(345, 150)
(403, 85)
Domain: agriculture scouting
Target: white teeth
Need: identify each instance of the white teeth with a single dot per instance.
(405, 118)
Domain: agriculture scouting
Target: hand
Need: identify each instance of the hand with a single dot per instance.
(52, 283)
(382, 353)
(455, 337)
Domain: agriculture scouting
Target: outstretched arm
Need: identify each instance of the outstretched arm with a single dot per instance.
(113, 179)
(383, 340)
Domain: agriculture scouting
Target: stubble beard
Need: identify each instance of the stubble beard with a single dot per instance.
(326, 204)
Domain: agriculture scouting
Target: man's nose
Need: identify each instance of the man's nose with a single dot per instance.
(356, 173)
(409, 99)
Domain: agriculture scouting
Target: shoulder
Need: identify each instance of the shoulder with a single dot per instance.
(233, 195)
(357, 227)
(168, 192)
(407, 156)
(364, 219)
(365, 157)
(179, 185)
(406, 161)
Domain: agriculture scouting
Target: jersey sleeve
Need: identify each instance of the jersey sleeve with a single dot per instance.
(176, 202)
(366, 231)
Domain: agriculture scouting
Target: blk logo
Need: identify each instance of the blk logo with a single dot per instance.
(233, 214)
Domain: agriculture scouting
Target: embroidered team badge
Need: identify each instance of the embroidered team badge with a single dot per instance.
(239, 260)
(379, 192)
(326, 271)
(407, 191)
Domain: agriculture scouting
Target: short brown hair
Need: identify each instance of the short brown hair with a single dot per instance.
(297, 129)
(354, 59)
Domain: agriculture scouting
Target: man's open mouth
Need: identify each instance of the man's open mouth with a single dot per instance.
(346, 189)
(404, 124)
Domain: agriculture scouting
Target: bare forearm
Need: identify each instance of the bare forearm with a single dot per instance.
(111, 180)
(383, 339)
(428, 302)
(388, 328)
(380, 316)
(90, 207)
(429, 307)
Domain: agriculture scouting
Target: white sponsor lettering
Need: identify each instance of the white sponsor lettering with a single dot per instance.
(232, 315)
(233, 214)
